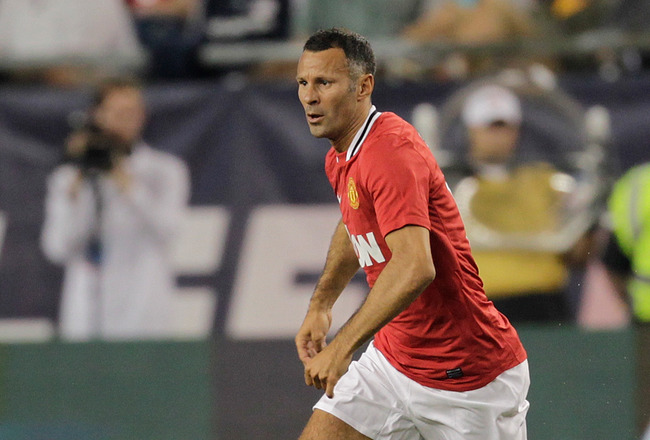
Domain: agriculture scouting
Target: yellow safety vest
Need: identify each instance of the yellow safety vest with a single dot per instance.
(629, 207)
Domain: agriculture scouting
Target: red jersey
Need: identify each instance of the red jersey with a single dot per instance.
(451, 337)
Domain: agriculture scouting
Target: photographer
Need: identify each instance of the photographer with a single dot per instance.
(112, 210)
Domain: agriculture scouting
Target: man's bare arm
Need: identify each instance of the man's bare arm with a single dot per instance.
(409, 271)
(340, 266)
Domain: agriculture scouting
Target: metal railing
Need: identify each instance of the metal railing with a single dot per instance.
(429, 54)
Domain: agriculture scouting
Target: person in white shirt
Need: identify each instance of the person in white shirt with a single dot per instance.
(111, 214)
(68, 42)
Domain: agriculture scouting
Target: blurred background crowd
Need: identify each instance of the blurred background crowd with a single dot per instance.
(70, 41)
(535, 109)
(526, 49)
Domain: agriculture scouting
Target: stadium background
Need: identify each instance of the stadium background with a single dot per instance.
(263, 210)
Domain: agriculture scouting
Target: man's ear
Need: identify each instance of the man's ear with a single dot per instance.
(366, 86)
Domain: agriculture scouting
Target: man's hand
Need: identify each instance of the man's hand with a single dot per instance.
(311, 338)
(409, 271)
(326, 368)
(324, 365)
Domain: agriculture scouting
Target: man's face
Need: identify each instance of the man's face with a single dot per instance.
(494, 143)
(122, 113)
(328, 94)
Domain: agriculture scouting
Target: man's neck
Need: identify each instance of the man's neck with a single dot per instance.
(341, 145)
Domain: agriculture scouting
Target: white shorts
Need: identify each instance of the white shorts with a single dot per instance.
(382, 403)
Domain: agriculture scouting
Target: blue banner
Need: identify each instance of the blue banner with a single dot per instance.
(262, 210)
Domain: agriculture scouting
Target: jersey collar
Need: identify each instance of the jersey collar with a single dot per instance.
(361, 135)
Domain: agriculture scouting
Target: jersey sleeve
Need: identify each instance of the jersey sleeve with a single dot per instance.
(398, 181)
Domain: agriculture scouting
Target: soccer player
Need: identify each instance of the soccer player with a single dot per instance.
(443, 362)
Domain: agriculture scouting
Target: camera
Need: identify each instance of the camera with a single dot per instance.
(94, 150)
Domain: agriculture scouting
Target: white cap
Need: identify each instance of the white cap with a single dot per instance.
(489, 104)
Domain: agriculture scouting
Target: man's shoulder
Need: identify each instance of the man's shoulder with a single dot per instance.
(63, 172)
(635, 173)
(147, 152)
(164, 162)
(391, 126)
(540, 171)
(391, 121)
(389, 131)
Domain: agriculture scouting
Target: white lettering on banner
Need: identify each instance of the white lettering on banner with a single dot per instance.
(3, 229)
(199, 246)
(367, 250)
(198, 250)
(281, 242)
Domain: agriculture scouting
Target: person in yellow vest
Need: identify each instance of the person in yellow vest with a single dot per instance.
(627, 259)
(505, 203)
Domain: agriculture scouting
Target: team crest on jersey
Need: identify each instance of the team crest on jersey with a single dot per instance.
(353, 195)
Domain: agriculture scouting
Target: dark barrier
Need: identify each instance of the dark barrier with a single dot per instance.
(102, 391)
(582, 389)
(582, 384)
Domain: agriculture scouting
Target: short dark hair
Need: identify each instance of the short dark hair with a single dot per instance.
(357, 49)
(107, 86)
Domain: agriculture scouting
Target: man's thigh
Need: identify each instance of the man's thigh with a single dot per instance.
(325, 426)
